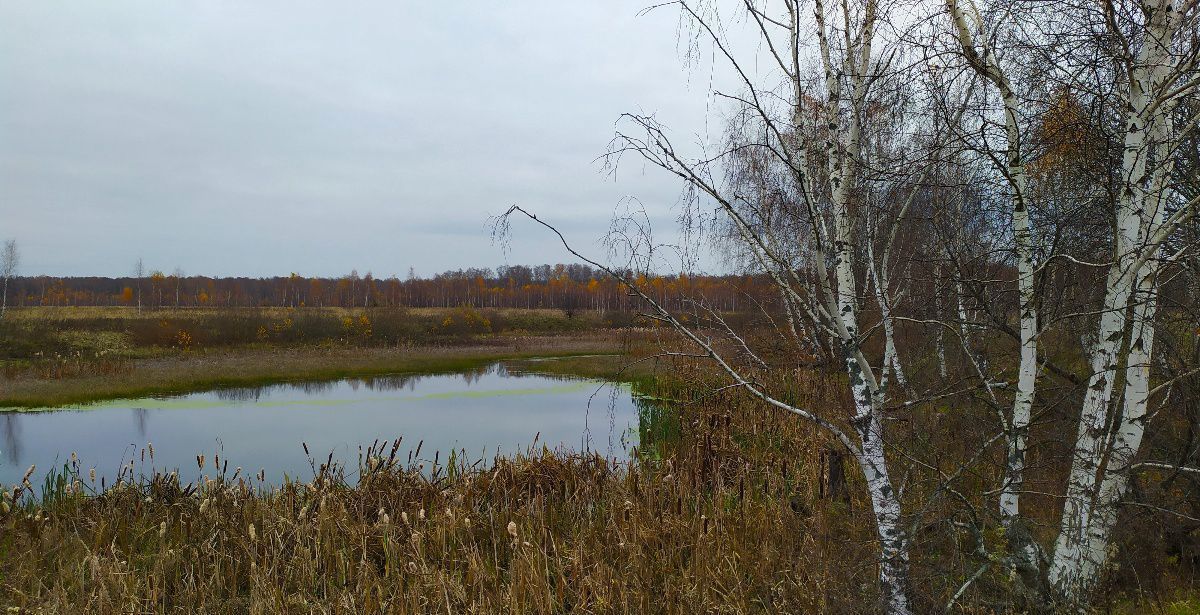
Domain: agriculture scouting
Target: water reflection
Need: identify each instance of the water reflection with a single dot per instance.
(486, 411)
(387, 382)
(12, 438)
(140, 415)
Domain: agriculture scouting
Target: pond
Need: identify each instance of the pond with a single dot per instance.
(479, 414)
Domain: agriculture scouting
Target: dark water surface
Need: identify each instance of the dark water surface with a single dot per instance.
(485, 412)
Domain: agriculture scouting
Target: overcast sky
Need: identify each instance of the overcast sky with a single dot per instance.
(260, 138)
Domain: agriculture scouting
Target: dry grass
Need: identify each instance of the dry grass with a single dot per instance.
(70, 380)
(53, 356)
(726, 523)
(718, 513)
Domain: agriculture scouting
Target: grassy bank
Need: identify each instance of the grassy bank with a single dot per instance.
(181, 372)
(56, 356)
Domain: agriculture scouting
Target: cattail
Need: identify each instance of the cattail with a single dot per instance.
(404, 517)
(203, 505)
(303, 512)
(512, 530)
(200, 461)
(421, 514)
(92, 474)
(253, 534)
(162, 530)
(467, 522)
(384, 519)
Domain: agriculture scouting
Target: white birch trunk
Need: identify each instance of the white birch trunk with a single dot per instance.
(891, 357)
(985, 63)
(893, 561)
(940, 334)
(1082, 542)
(1127, 438)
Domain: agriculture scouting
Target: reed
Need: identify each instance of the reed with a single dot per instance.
(720, 509)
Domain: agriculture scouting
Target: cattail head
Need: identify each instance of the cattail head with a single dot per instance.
(512, 530)
(162, 530)
(404, 517)
(384, 519)
(253, 534)
(92, 474)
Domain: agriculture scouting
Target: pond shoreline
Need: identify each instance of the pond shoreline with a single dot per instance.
(212, 369)
(475, 413)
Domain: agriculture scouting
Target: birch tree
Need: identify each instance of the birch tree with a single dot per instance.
(868, 147)
(139, 272)
(804, 228)
(10, 261)
(1157, 60)
(1152, 45)
(968, 25)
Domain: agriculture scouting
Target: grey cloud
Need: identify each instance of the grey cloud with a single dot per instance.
(261, 138)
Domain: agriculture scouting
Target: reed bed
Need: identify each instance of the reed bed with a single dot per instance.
(724, 507)
(727, 522)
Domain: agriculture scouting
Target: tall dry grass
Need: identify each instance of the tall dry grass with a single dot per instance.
(720, 518)
(720, 510)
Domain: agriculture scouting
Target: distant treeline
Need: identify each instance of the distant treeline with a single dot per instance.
(570, 287)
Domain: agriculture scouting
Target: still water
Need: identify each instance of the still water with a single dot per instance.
(482, 412)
